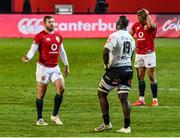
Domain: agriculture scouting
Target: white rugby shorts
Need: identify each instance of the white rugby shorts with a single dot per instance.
(145, 60)
(44, 74)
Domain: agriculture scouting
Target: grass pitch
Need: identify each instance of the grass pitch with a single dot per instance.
(80, 110)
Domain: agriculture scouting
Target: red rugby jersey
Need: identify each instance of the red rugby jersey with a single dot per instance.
(49, 46)
(145, 38)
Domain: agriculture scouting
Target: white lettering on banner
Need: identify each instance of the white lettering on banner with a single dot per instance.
(94, 26)
(33, 26)
(170, 25)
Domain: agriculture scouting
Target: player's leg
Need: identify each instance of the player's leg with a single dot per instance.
(123, 91)
(141, 83)
(150, 65)
(42, 81)
(106, 125)
(153, 84)
(104, 106)
(59, 85)
(58, 82)
(104, 88)
(126, 111)
(39, 103)
(126, 108)
(140, 69)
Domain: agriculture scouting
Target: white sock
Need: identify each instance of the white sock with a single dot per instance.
(141, 98)
(155, 99)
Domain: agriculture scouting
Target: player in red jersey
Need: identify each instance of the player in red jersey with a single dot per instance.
(50, 47)
(145, 59)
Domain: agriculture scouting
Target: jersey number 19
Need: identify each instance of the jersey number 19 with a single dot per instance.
(126, 47)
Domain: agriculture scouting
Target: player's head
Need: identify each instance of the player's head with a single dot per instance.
(142, 16)
(122, 23)
(49, 23)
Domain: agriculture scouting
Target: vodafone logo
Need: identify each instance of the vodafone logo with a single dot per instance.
(30, 25)
(140, 34)
(54, 47)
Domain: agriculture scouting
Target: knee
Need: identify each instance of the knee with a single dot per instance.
(60, 90)
(141, 77)
(40, 96)
(152, 79)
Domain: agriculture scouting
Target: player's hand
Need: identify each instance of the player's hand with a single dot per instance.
(146, 11)
(25, 59)
(106, 67)
(66, 71)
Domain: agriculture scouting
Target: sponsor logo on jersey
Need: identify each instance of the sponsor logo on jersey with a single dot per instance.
(54, 49)
(48, 39)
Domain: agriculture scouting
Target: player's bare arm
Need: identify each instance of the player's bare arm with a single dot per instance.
(106, 58)
(150, 22)
(132, 32)
(66, 70)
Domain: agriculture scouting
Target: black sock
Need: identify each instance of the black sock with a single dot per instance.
(57, 102)
(106, 119)
(154, 88)
(126, 122)
(39, 107)
(142, 86)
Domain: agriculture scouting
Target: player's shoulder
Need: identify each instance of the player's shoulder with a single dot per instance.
(58, 34)
(114, 33)
(122, 33)
(136, 24)
(40, 33)
(117, 33)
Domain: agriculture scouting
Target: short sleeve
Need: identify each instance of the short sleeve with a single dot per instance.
(37, 39)
(60, 37)
(111, 42)
(133, 27)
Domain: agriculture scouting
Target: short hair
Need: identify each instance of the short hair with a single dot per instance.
(142, 13)
(122, 22)
(47, 17)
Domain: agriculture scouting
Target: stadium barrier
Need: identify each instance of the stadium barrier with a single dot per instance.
(81, 26)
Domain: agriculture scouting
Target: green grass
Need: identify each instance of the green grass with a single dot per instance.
(80, 110)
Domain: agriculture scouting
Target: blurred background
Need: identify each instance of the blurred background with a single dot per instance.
(89, 6)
